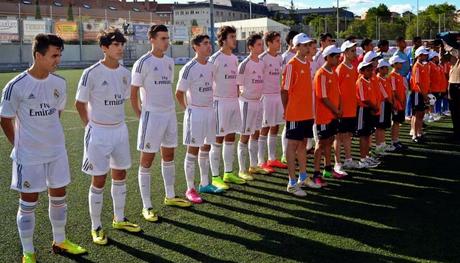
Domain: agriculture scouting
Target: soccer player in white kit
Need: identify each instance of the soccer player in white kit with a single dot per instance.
(100, 100)
(30, 108)
(250, 83)
(194, 94)
(287, 56)
(273, 110)
(152, 77)
(226, 107)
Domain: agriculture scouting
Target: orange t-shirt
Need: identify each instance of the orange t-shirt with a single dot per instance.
(420, 78)
(386, 92)
(347, 84)
(297, 81)
(399, 88)
(365, 91)
(326, 86)
(437, 78)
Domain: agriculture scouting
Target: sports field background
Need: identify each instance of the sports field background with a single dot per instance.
(406, 210)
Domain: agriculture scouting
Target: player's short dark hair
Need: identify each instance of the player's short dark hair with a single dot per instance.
(437, 42)
(383, 43)
(110, 35)
(350, 38)
(399, 39)
(415, 39)
(291, 36)
(324, 36)
(198, 39)
(252, 39)
(366, 67)
(223, 33)
(366, 42)
(270, 36)
(154, 29)
(42, 42)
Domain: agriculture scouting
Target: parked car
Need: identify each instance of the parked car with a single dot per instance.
(181, 60)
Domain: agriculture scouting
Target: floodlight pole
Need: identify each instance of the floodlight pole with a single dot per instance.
(211, 20)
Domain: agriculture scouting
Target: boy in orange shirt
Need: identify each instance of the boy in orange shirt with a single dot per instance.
(399, 98)
(385, 103)
(420, 85)
(367, 103)
(437, 82)
(327, 111)
(347, 77)
(297, 98)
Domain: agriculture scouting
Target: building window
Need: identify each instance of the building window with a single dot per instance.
(243, 35)
(182, 12)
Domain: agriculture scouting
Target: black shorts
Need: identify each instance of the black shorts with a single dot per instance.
(326, 131)
(399, 116)
(366, 122)
(299, 130)
(384, 120)
(347, 125)
(418, 103)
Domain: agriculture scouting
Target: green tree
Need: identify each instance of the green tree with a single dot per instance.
(70, 13)
(38, 14)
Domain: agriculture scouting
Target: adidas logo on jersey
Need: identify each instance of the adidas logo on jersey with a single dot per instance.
(254, 72)
(225, 65)
(105, 83)
(155, 69)
(31, 96)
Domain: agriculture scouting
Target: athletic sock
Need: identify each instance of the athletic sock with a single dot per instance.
(253, 148)
(25, 220)
(144, 179)
(214, 158)
(189, 168)
(272, 147)
(203, 163)
(242, 153)
(262, 149)
(229, 156)
(95, 198)
(118, 192)
(168, 171)
(57, 211)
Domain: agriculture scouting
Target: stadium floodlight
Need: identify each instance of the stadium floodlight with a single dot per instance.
(56, 3)
(26, 2)
(112, 8)
(86, 6)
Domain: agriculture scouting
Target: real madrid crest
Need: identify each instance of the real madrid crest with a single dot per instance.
(125, 81)
(56, 93)
(147, 145)
(26, 184)
(170, 68)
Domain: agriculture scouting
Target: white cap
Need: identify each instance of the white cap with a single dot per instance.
(370, 56)
(383, 63)
(332, 49)
(363, 64)
(433, 54)
(395, 59)
(347, 44)
(301, 39)
(421, 51)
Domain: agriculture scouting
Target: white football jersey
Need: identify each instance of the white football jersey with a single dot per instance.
(155, 76)
(105, 90)
(272, 72)
(287, 56)
(196, 80)
(35, 105)
(226, 71)
(251, 79)
(318, 59)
